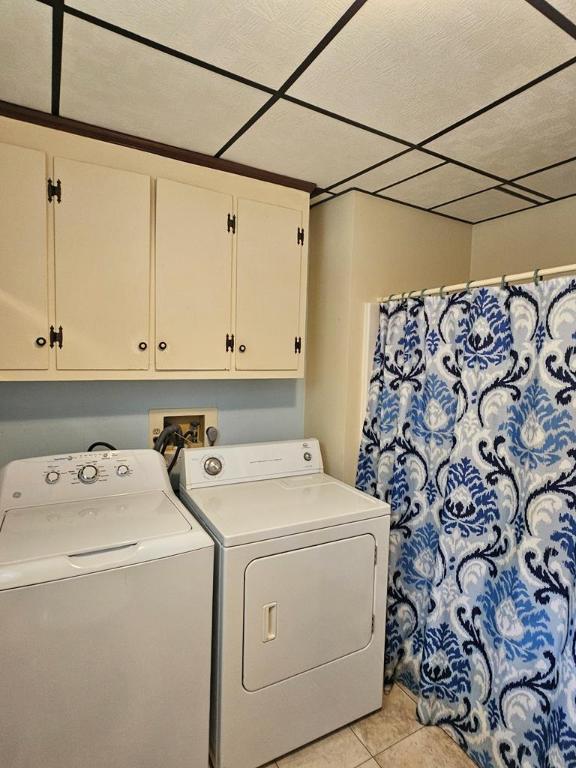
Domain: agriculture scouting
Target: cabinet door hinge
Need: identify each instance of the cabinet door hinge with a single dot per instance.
(375, 555)
(54, 191)
(56, 337)
(373, 623)
(297, 344)
(230, 343)
(232, 222)
(300, 238)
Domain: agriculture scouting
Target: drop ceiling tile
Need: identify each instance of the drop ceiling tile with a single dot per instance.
(391, 172)
(296, 141)
(566, 7)
(320, 199)
(439, 186)
(26, 54)
(264, 40)
(111, 81)
(556, 182)
(414, 67)
(484, 206)
(532, 196)
(530, 131)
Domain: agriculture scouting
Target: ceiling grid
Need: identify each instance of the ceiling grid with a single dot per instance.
(463, 108)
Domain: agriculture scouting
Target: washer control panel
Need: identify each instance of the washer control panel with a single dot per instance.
(86, 468)
(73, 476)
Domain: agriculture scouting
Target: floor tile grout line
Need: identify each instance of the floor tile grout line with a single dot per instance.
(373, 755)
(404, 738)
(361, 742)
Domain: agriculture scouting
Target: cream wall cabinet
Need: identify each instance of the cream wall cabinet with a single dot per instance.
(193, 277)
(24, 325)
(153, 268)
(196, 328)
(102, 260)
(268, 287)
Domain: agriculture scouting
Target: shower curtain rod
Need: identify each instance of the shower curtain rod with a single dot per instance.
(536, 275)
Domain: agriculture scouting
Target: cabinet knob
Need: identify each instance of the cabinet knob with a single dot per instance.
(142, 346)
(162, 346)
(242, 348)
(40, 341)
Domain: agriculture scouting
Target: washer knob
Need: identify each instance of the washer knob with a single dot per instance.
(122, 470)
(52, 477)
(212, 466)
(307, 456)
(88, 474)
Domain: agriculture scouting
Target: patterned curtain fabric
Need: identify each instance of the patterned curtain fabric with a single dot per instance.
(470, 435)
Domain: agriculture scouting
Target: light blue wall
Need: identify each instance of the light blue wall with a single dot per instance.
(41, 418)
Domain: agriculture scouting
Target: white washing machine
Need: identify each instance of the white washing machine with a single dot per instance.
(301, 572)
(105, 616)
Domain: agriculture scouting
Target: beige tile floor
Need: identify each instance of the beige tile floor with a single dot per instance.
(389, 738)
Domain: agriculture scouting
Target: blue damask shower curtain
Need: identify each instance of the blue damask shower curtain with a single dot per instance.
(471, 436)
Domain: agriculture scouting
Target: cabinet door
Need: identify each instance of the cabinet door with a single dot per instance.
(193, 277)
(102, 249)
(23, 260)
(268, 282)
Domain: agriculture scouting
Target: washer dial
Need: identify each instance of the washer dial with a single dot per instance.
(52, 477)
(88, 474)
(212, 466)
(122, 470)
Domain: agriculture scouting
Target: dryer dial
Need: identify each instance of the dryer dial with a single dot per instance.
(212, 466)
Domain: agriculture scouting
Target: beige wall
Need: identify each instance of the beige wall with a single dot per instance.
(330, 267)
(361, 248)
(540, 237)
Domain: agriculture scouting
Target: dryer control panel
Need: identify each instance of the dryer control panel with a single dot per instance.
(226, 464)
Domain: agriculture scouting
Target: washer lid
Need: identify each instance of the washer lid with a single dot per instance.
(55, 541)
(247, 512)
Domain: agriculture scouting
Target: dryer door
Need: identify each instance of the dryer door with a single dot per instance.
(307, 607)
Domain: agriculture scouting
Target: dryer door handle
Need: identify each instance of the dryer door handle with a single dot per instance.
(269, 622)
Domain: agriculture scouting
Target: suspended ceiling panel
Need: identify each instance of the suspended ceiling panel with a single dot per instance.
(531, 195)
(26, 53)
(295, 141)
(439, 186)
(413, 67)
(484, 206)
(556, 182)
(566, 7)
(320, 198)
(530, 131)
(475, 74)
(263, 40)
(391, 172)
(111, 81)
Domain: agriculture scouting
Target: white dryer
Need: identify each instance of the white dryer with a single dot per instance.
(105, 616)
(301, 571)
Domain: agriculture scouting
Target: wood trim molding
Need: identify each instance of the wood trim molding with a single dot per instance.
(67, 125)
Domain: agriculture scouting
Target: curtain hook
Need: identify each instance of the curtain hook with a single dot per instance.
(503, 282)
(468, 286)
(442, 291)
(537, 276)
(422, 293)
